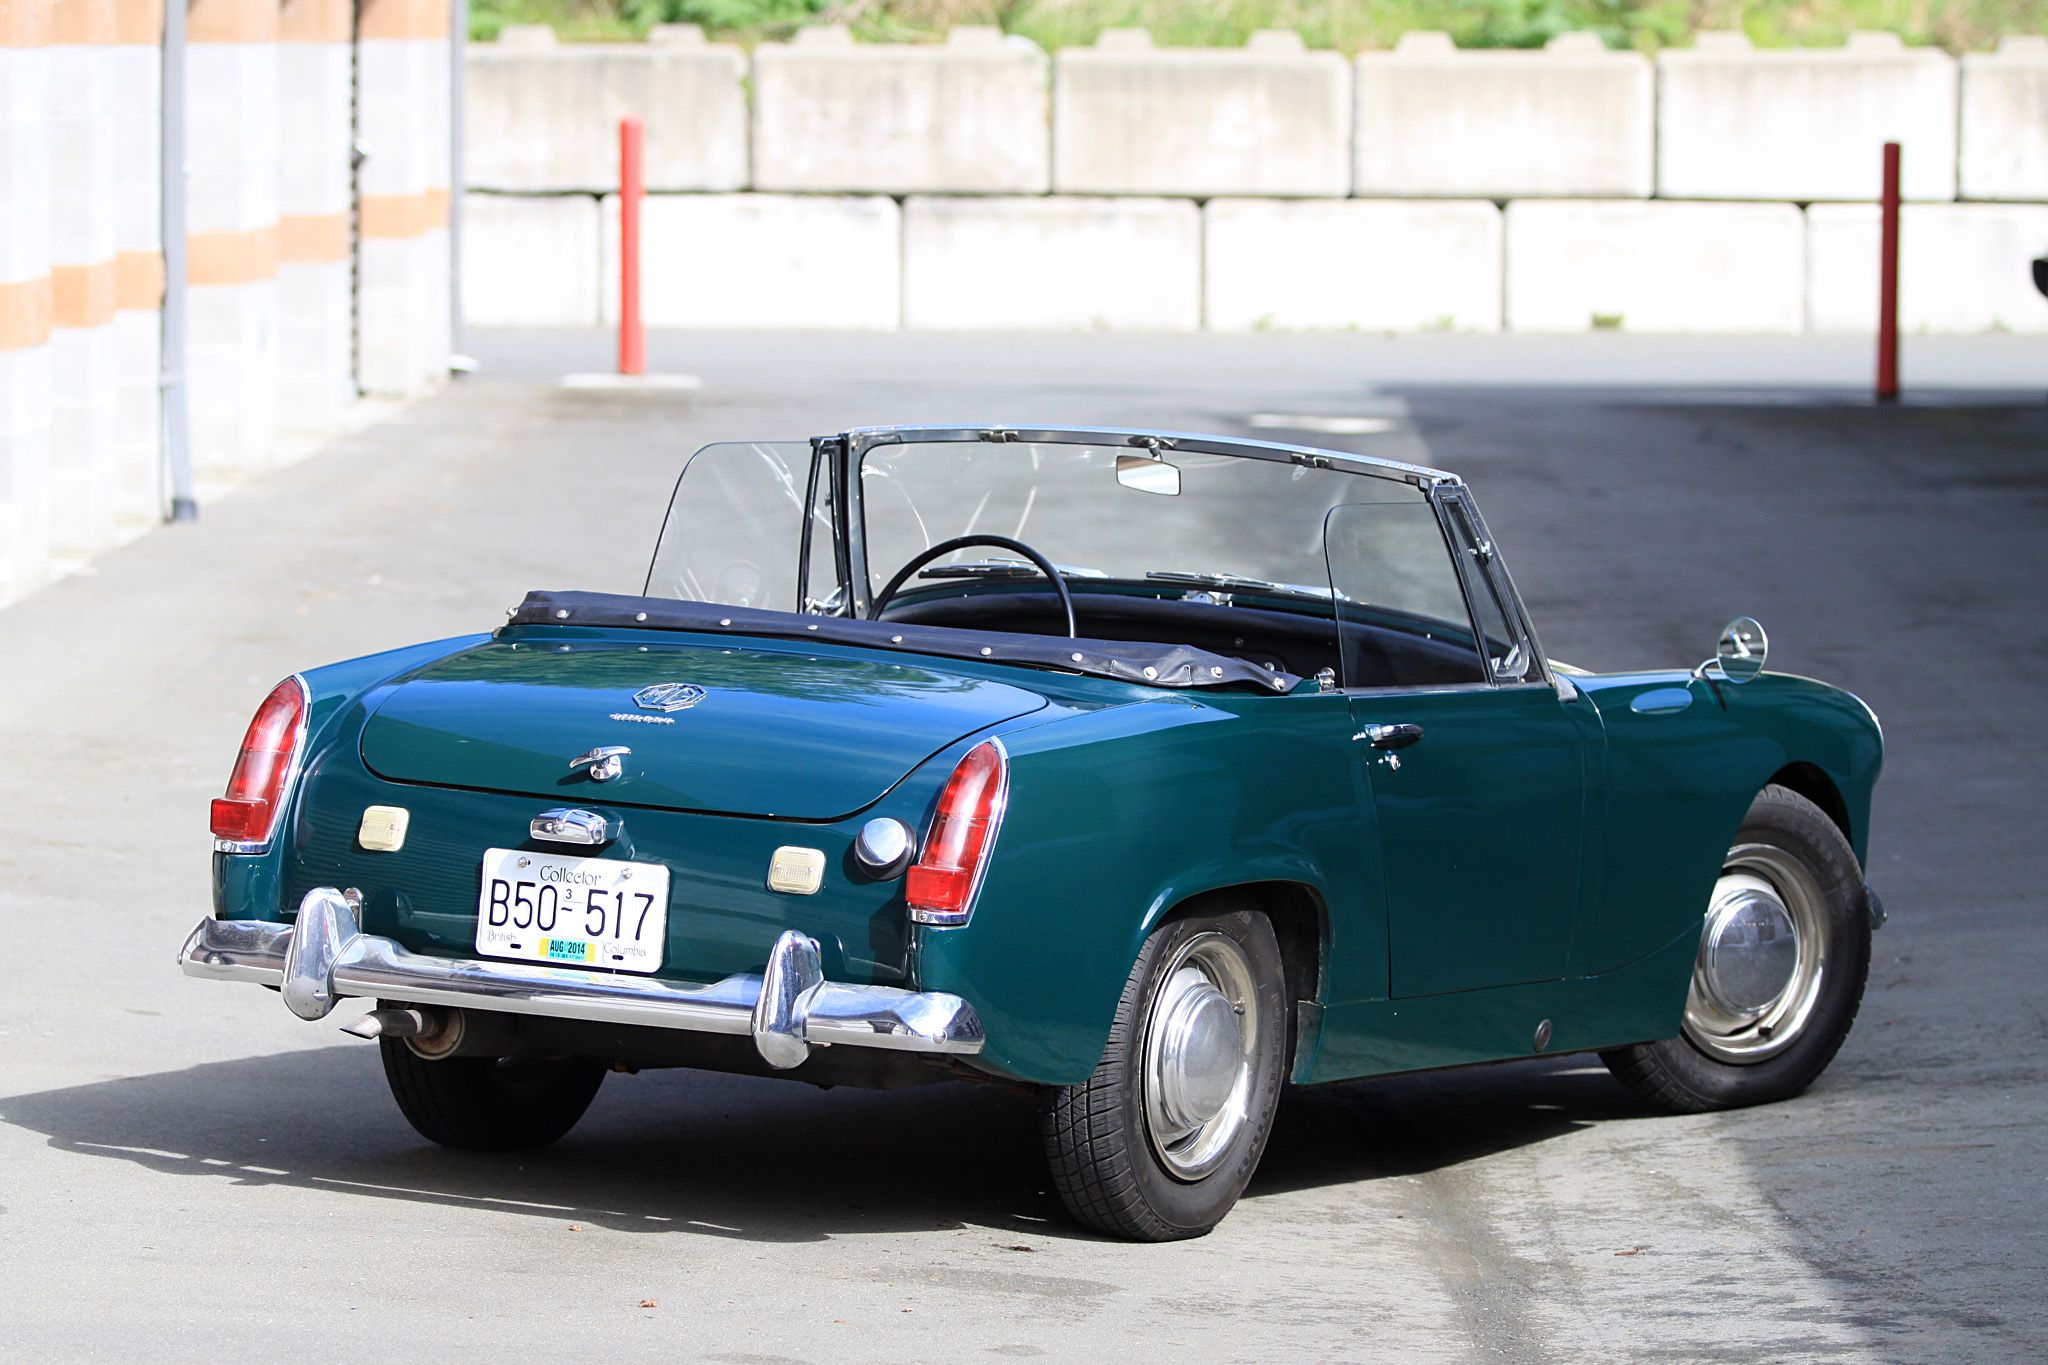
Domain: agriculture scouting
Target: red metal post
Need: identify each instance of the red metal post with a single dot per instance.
(632, 187)
(1888, 282)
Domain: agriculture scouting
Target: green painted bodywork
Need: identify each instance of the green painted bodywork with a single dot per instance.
(1573, 896)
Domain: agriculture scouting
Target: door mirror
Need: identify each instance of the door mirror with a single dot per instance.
(1148, 475)
(1742, 650)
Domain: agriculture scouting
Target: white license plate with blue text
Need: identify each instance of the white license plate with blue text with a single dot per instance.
(572, 912)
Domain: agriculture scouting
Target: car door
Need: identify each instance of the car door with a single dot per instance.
(1474, 759)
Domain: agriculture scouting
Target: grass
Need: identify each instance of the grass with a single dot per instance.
(1347, 25)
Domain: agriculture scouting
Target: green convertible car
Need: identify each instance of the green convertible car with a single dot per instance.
(1152, 771)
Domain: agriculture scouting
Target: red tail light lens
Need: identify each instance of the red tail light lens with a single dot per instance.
(255, 795)
(940, 887)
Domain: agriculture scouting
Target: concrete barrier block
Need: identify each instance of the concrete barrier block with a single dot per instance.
(1052, 264)
(1270, 118)
(1962, 267)
(1654, 267)
(831, 114)
(1376, 265)
(1735, 122)
(403, 314)
(1573, 119)
(530, 260)
(315, 367)
(763, 260)
(2005, 121)
(542, 117)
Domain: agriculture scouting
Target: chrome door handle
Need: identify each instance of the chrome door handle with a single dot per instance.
(1390, 737)
(603, 762)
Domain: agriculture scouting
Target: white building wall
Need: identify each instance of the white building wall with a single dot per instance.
(316, 365)
(1270, 118)
(1573, 119)
(1375, 265)
(1734, 122)
(1962, 267)
(25, 305)
(1052, 264)
(2005, 121)
(1645, 266)
(138, 269)
(402, 82)
(968, 116)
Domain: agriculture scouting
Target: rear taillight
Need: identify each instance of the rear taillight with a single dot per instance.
(940, 886)
(256, 790)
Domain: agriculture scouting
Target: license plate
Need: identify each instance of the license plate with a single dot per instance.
(572, 912)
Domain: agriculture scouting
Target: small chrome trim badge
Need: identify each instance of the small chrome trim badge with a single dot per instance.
(643, 720)
(668, 696)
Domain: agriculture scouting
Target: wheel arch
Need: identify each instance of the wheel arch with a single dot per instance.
(1811, 781)
(1301, 921)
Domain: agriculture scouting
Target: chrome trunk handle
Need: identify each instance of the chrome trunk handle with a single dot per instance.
(603, 762)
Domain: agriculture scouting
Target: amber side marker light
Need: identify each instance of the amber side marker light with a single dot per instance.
(940, 886)
(248, 812)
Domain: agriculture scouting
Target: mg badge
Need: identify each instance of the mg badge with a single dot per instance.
(668, 697)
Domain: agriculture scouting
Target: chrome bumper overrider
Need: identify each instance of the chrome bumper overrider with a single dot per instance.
(787, 1010)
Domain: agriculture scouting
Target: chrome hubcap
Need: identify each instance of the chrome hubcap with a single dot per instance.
(1197, 1065)
(1763, 950)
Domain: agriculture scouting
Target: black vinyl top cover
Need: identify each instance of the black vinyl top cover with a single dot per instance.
(1149, 665)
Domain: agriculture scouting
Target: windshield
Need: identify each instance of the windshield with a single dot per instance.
(735, 525)
(1235, 525)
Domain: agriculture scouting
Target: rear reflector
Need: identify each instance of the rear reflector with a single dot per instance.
(247, 815)
(940, 886)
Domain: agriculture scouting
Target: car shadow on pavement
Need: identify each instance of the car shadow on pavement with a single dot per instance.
(755, 1159)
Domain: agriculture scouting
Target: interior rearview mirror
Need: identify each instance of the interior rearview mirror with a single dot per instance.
(1742, 650)
(1148, 475)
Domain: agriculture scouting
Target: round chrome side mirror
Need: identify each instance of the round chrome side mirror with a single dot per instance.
(1742, 650)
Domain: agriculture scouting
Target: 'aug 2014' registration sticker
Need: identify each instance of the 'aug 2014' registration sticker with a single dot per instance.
(580, 912)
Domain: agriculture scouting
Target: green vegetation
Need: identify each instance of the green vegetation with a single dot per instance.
(1348, 25)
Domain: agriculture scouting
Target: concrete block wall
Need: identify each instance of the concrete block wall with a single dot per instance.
(1957, 267)
(402, 212)
(1736, 122)
(532, 260)
(1270, 118)
(25, 297)
(137, 59)
(2005, 121)
(315, 351)
(544, 117)
(969, 116)
(1572, 120)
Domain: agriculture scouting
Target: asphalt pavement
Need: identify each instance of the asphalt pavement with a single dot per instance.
(189, 1173)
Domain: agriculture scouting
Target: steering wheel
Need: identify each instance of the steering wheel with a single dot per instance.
(946, 547)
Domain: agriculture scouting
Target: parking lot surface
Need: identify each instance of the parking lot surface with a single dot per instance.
(189, 1173)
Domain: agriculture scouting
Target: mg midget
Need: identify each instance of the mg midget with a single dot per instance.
(1152, 772)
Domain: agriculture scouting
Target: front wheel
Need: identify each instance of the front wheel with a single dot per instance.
(489, 1104)
(1783, 956)
(1159, 1143)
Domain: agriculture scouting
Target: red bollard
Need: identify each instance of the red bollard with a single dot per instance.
(632, 187)
(1888, 282)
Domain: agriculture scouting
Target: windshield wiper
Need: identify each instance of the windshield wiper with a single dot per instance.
(1004, 568)
(1231, 580)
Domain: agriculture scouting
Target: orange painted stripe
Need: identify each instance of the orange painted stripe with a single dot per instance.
(25, 23)
(139, 21)
(24, 314)
(82, 295)
(402, 215)
(231, 257)
(82, 22)
(139, 281)
(231, 21)
(312, 239)
(403, 19)
(314, 21)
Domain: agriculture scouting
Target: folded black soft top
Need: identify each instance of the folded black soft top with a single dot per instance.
(1147, 664)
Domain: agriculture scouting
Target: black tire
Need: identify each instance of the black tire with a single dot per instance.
(489, 1104)
(1098, 1141)
(1678, 1075)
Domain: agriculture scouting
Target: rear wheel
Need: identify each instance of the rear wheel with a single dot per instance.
(489, 1104)
(1783, 957)
(1159, 1143)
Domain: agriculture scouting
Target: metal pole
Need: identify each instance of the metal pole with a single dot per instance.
(176, 412)
(458, 58)
(1888, 282)
(632, 184)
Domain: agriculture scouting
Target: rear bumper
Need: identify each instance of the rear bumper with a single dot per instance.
(790, 1008)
